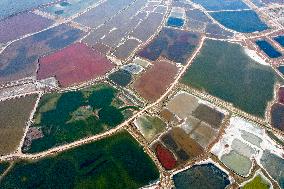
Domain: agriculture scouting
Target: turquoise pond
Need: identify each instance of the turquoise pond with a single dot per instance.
(175, 22)
(202, 177)
(215, 5)
(246, 21)
(268, 49)
(280, 40)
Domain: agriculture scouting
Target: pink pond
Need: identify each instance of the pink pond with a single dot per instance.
(74, 64)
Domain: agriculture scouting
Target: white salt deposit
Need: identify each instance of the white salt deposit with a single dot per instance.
(253, 55)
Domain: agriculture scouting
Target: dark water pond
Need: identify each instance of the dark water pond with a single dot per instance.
(281, 69)
(201, 176)
(268, 49)
(277, 116)
(280, 40)
(175, 22)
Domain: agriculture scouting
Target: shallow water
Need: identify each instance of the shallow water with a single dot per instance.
(251, 138)
(236, 162)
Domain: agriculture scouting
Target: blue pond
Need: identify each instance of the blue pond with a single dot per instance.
(202, 177)
(246, 21)
(175, 22)
(216, 5)
(280, 40)
(268, 49)
(281, 69)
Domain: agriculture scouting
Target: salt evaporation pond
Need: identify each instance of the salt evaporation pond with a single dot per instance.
(216, 5)
(20, 59)
(280, 40)
(245, 21)
(175, 22)
(202, 177)
(277, 116)
(244, 141)
(281, 69)
(237, 162)
(133, 68)
(69, 7)
(258, 181)
(232, 76)
(258, 3)
(121, 77)
(150, 126)
(274, 165)
(8, 7)
(268, 49)
(22, 24)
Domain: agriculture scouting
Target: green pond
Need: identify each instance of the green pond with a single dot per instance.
(121, 77)
(3, 167)
(115, 162)
(223, 69)
(257, 183)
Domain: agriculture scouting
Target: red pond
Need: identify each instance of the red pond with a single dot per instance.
(165, 156)
(155, 81)
(281, 95)
(74, 64)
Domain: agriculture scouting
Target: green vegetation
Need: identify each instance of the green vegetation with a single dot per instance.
(224, 70)
(3, 167)
(115, 162)
(257, 183)
(70, 116)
